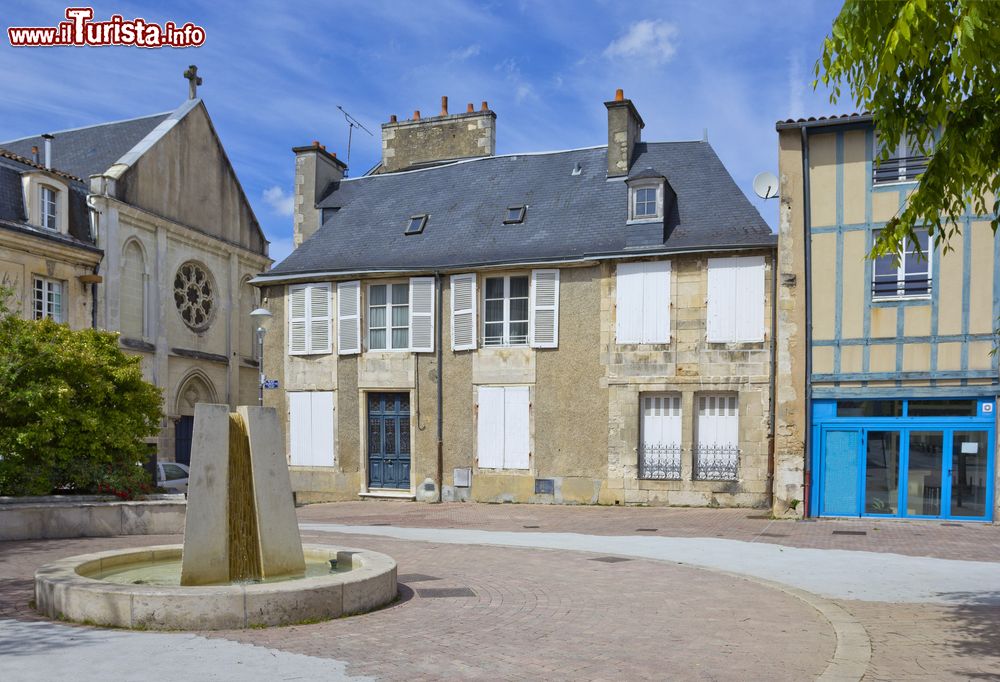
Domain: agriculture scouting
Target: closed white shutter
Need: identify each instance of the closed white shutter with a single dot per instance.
(299, 428)
(323, 448)
(348, 317)
(463, 312)
(490, 442)
(661, 420)
(721, 315)
(656, 302)
(718, 421)
(629, 285)
(319, 318)
(544, 314)
(515, 450)
(297, 341)
(422, 314)
(749, 292)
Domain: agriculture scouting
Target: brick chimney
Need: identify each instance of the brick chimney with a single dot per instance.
(315, 169)
(424, 140)
(624, 132)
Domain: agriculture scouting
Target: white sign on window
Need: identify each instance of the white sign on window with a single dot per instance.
(970, 448)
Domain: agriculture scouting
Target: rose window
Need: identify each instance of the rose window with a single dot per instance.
(194, 294)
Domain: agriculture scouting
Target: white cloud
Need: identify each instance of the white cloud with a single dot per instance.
(280, 203)
(796, 85)
(650, 39)
(465, 53)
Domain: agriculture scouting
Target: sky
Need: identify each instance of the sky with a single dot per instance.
(274, 74)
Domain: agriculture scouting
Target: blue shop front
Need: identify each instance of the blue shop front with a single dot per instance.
(901, 458)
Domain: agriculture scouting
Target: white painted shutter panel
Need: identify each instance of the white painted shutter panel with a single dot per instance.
(323, 449)
(718, 421)
(491, 427)
(721, 316)
(463, 312)
(348, 317)
(629, 285)
(749, 291)
(319, 318)
(422, 314)
(544, 316)
(515, 451)
(656, 302)
(661, 420)
(299, 428)
(297, 343)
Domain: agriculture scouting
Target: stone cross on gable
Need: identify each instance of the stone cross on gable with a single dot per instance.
(194, 80)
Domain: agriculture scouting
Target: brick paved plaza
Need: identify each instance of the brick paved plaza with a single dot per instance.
(473, 605)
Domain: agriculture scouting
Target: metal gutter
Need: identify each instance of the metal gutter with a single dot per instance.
(772, 411)
(440, 391)
(807, 286)
(847, 119)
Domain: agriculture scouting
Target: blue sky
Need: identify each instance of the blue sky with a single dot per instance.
(275, 73)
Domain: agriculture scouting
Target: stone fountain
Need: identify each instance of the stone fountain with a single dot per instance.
(242, 563)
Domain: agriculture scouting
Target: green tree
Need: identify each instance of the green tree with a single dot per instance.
(74, 410)
(926, 69)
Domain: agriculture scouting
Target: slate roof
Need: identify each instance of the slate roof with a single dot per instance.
(12, 209)
(91, 150)
(568, 216)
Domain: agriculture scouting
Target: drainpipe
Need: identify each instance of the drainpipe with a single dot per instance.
(807, 264)
(773, 380)
(440, 397)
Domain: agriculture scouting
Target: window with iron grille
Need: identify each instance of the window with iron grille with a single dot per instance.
(905, 163)
(505, 303)
(910, 276)
(660, 444)
(717, 434)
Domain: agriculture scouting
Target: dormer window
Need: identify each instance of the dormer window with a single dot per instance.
(49, 208)
(416, 224)
(645, 196)
(515, 214)
(645, 202)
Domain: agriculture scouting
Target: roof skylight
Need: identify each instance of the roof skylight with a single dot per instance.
(416, 224)
(515, 214)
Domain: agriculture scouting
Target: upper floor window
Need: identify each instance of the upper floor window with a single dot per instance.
(910, 276)
(904, 164)
(642, 302)
(735, 299)
(49, 208)
(505, 319)
(389, 316)
(309, 319)
(47, 298)
(645, 202)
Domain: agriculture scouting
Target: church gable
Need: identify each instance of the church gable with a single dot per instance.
(184, 175)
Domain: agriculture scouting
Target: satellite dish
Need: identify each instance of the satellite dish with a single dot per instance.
(765, 185)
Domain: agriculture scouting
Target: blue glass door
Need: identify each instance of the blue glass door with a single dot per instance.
(839, 495)
(389, 440)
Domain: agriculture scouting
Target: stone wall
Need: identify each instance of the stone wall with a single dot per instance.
(456, 136)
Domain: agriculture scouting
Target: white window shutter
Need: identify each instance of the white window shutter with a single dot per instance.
(544, 314)
(463, 312)
(490, 441)
(749, 290)
(629, 284)
(516, 441)
(319, 318)
(299, 428)
(323, 450)
(348, 317)
(661, 420)
(422, 314)
(656, 302)
(297, 341)
(721, 316)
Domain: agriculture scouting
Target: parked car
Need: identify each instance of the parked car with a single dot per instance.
(172, 476)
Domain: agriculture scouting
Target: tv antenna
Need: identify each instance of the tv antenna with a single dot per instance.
(352, 124)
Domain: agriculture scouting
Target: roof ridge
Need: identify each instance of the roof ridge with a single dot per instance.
(7, 154)
(93, 125)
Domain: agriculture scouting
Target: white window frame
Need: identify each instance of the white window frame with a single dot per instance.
(633, 197)
(900, 293)
(906, 151)
(388, 306)
(717, 429)
(42, 305)
(505, 341)
(48, 206)
(311, 290)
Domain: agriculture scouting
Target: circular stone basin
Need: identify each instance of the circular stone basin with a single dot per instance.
(82, 589)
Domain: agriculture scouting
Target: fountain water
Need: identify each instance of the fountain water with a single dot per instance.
(242, 564)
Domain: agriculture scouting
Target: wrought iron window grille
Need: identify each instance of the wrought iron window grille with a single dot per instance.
(660, 461)
(716, 463)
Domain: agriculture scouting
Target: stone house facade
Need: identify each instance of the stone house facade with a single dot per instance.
(886, 399)
(177, 243)
(588, 326)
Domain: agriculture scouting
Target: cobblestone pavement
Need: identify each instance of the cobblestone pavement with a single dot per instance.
(559, 614)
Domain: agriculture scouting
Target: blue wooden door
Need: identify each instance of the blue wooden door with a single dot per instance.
(183, 430)
(389, 440)
(839, 474)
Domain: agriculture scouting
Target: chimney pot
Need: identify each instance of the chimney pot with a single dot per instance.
(48, 149)
(444, 105)
(619, 95)
(316, 143)
(470, 109)
(34, 153)
(392, 118)
(333, 154)
(485, 106)
(416, 115)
